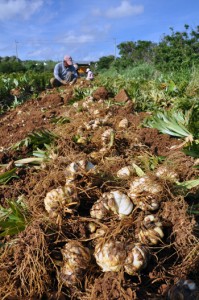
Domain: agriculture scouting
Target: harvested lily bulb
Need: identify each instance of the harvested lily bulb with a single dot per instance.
(100, 209)
(106, 136)
(183, 290)
(75, 167)
(84, 165)
(124, 173)
(110, 255)
(123, 123)
(137, 258)
(96, 112)
(114, 202)
(60, 200)
(164, 173)
(76, 259)
(92, 124)
(151, 232)
(145, 193)
(87, 102)
(122, 206)
(106, 118)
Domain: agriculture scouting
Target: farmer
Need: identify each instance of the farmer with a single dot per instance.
(90, 75)
(64, 72)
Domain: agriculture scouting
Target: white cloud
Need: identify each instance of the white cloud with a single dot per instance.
(87, 34)
(125, 9)
(76, 39)
(18, 8)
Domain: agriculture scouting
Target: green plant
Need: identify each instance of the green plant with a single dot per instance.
(189, 184)
(39, 157)
(173, 123)
(149, 162)
(14, 218)
(60, 120)
(36, 139)
(7, 176)
(16, 102)
(80, 93)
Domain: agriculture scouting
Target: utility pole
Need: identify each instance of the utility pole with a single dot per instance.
(16, 48)
(114, 48)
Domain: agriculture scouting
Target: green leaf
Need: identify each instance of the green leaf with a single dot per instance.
(7, 176)
(60, 120)
(138, 170)
(12, 219)
(36, 139)
(29, 160)
(188, 184)
(172, 123)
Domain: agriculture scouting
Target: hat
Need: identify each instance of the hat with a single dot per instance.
(87, 69)
(68, 59)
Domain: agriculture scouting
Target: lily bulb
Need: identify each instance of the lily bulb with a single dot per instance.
(137, 258)
(110, 255)
(145, 193)
(114, 202)
(151, 232)
(106, 136)
(164, 173)
(57, 200)
(123, 123)
(124, 205)
(76, 259)
(75, 168)
(124, 173)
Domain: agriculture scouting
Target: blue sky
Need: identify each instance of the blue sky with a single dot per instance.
(87, 29)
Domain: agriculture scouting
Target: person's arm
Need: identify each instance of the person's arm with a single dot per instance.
(57, 72)
(75, 76)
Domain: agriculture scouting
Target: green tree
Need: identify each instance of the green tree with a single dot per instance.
(132, 53)
(11, 66)
(105, 62)
(178, 50)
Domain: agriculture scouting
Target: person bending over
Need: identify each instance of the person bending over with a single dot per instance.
(64, 73)
(90, 75)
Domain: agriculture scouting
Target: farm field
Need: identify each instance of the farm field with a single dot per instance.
(93, 204)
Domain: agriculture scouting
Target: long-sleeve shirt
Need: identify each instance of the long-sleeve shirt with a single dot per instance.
(90, 75)
(61, 72)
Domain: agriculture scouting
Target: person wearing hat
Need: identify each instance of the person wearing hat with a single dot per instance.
(90, 75)
(64, 72)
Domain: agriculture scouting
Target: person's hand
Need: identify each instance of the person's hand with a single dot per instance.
(64, 82)
(73, 81)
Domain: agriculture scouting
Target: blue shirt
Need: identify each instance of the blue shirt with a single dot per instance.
(60, 71)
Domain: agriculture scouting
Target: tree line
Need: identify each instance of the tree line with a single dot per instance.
(178, 50)
(11, 64)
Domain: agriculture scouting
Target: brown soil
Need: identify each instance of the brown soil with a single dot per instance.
(30, 261)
